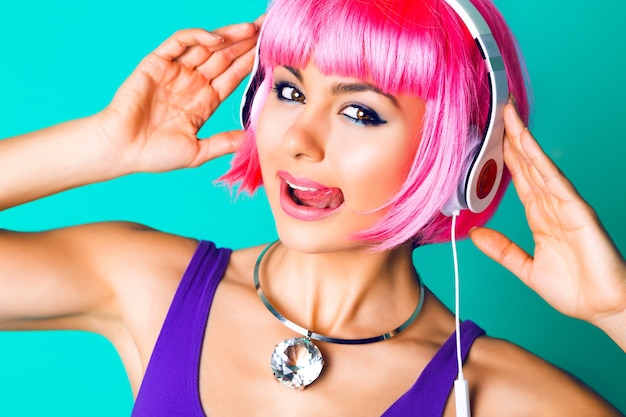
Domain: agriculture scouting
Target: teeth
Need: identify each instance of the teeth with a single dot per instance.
(300, 188)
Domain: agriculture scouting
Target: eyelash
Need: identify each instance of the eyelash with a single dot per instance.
(369, 116)
(279, 88)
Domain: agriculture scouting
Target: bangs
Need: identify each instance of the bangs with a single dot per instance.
(366, 40)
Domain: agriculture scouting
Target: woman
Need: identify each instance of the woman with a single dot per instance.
(122, 278)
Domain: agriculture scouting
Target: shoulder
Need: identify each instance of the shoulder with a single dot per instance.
(122, 253)
(507, 380)
(143, 268)
(126, 245)
(134, 260)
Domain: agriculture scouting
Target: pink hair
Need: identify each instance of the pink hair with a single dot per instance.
(418, 47)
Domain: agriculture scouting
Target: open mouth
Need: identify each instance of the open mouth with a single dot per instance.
(319, 198)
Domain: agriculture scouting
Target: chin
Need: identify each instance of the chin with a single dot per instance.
(332, 233)
(314, 239)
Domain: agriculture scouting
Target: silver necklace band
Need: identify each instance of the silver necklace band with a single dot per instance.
(316, 336)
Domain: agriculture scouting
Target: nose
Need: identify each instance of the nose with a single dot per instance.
(305, 139)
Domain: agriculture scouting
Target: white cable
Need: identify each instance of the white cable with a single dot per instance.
(461, 389)
(457, 297)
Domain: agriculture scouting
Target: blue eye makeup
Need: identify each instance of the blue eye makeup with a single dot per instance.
(362, 115)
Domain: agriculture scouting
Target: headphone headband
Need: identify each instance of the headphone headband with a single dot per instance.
(479, 187)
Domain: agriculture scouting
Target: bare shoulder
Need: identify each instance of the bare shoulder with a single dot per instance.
(137, 261)
(125, 246)
(141, 265)
(122, 254)
(107, 234)
(508, 380)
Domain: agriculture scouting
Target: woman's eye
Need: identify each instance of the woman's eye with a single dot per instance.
(288, 92)
(362, 115)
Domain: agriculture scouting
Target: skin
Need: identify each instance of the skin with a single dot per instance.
(319, 139)
(118, 279)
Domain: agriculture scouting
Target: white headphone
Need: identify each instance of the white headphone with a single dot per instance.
(478, 187)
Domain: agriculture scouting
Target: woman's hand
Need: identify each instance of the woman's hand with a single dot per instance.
(151, 124)
(153, 121)
(576, 266)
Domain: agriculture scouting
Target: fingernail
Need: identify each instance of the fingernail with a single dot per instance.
(217, 36)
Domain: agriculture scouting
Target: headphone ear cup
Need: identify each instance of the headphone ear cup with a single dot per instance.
(485, 175)
(458, 200)
(248, 98)
(256, 79)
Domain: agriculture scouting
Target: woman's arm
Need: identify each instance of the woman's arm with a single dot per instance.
(575, 267)
(54, 279)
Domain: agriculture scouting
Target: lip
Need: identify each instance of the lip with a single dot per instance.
(300, 182)
(296, 211)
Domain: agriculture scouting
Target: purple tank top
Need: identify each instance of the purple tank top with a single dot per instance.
(170, 385)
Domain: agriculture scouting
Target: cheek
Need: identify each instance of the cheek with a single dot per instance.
(375, 172)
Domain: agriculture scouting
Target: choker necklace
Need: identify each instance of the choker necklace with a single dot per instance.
(297, 362)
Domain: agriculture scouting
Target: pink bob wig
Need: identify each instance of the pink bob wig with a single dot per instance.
(418, 47)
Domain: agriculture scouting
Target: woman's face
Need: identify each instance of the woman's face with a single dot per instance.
(333, 150)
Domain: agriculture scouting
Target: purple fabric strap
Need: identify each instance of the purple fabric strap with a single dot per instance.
(428, 396)
(170, 385)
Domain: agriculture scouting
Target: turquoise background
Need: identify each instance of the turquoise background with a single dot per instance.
(64, 59)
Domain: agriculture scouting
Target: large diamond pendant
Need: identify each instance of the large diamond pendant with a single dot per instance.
(296, 362)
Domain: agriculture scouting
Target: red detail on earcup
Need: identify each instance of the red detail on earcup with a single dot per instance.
(486, 179)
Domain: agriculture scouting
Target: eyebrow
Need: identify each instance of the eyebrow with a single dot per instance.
(345, 88)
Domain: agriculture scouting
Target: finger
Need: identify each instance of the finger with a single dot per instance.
(236, 33)
(194, 56)
(536, 181)
(519, 166)
(222, 86)
(551, 175)
(218, 145)
(198, 54)
(541, 169)
(502, 250)
(514, 156)
(260, 20)
(226, 82)
(178, 43)
(514, 161)
(542, 175)
(526, 178)
(513, 123)
(221, 60)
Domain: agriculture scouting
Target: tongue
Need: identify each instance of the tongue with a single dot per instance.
(327, 198)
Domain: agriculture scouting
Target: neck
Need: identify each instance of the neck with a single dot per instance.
(348, 294)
